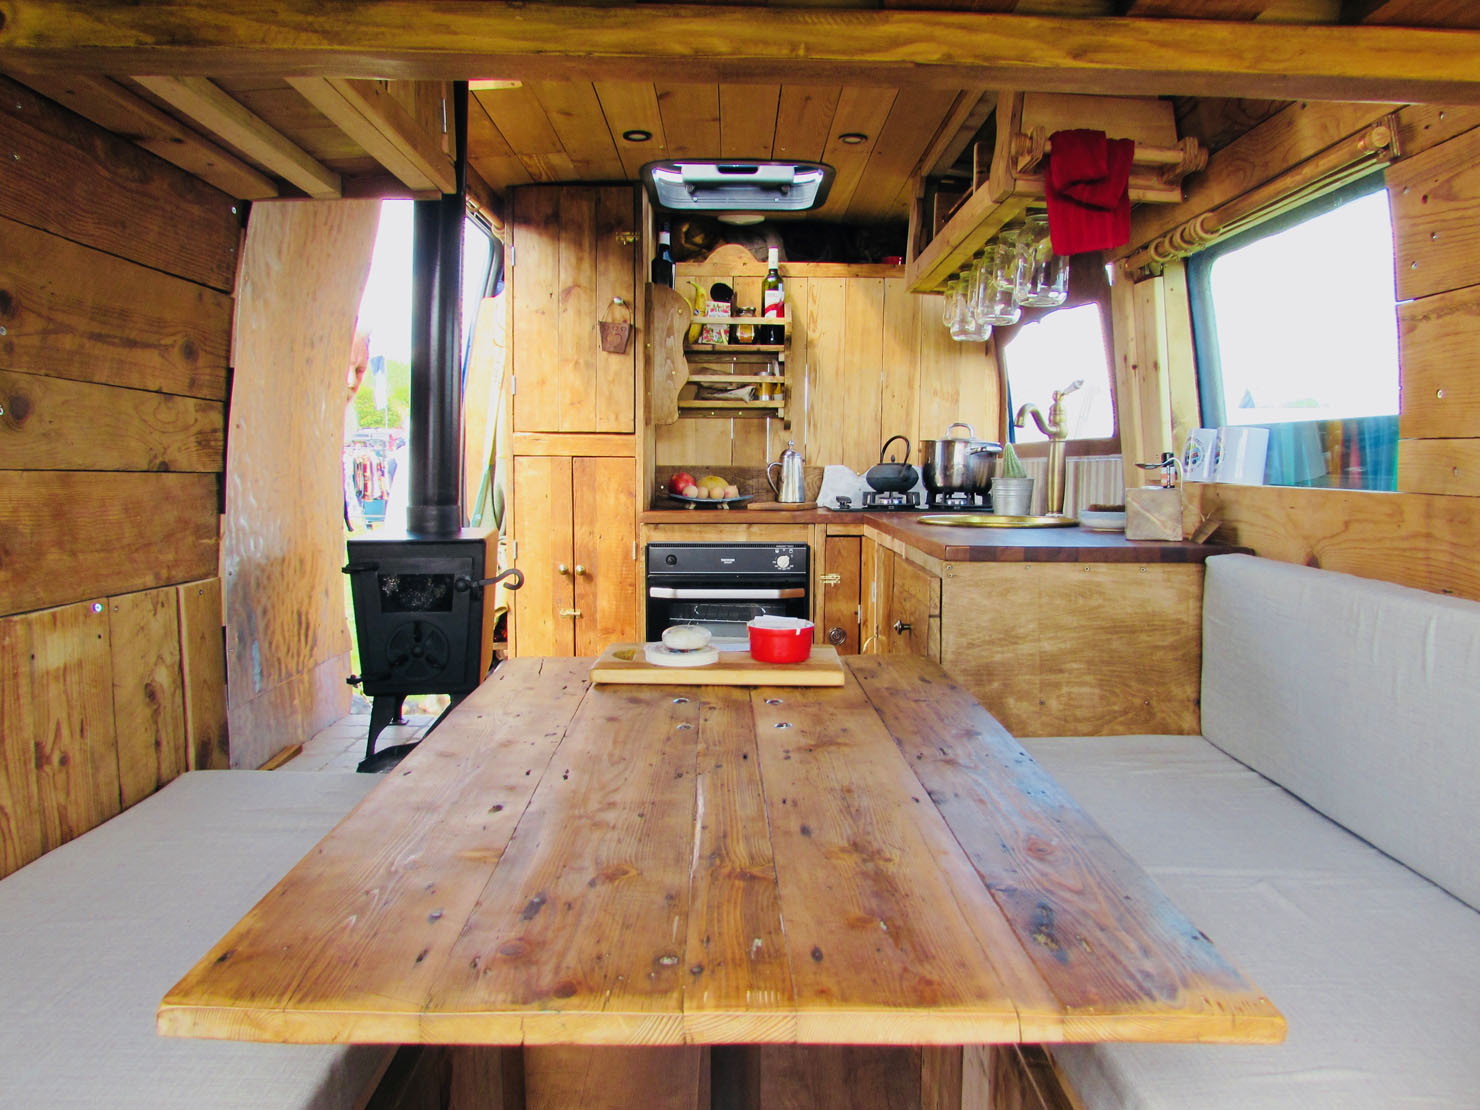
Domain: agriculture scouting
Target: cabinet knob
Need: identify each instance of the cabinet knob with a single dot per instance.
(901, 627)
(580, 569)
(561, 568)
(836, 635)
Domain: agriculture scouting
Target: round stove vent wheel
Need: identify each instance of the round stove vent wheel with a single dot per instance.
(417, 650)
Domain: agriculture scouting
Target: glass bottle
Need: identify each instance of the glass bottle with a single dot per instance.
(773, 298)
(662, 273)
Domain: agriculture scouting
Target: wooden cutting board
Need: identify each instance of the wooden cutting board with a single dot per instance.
(625, 663)
(780, 506)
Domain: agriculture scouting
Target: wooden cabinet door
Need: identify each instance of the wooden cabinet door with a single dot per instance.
(573, 252)
(911, 608)
(604, 498)
(542, 531)
(840, 613)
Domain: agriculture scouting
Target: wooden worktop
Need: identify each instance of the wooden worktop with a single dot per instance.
(967, 545)
(877, 863)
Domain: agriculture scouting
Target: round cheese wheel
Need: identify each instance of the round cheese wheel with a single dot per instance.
(686, 637)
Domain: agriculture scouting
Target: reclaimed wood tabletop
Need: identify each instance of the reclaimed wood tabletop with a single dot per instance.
(563, 863)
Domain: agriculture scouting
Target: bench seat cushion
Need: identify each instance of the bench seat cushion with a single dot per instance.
(1376, 969)
(95, 932)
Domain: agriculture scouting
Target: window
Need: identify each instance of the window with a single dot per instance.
(1051, 352)
(1295, 326)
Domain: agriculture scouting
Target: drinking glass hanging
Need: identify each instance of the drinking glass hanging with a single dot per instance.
(1042, 279)
(994, 288)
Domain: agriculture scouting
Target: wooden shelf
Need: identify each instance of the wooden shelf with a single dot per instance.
(734, 349)
(737, 379)
(775, 405)
(783, 322)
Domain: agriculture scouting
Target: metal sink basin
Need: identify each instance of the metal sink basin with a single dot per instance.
(997, 520)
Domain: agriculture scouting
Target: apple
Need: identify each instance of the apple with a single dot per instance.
(680, 482)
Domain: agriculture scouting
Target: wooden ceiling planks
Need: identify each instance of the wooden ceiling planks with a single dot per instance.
(1413, 13)
(910, 130)
(804, 119)
(861, 111)
(490, 153)
(690, 114)
(1197, 9)
(747, 120)
(633, 106)
(520, 118)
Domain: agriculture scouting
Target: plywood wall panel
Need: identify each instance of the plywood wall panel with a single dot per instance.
(20, 806)
(1435, 198)
(1440, 340)
(74, 535)
(148, 702)
(73, 312)
(283, 545)
(55, 424)
(1445, 466)
(1428, 542)
(71, 694)
(611, 386)
(61, 167)
(203, 675)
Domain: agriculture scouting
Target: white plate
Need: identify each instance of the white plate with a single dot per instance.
(1102, 522)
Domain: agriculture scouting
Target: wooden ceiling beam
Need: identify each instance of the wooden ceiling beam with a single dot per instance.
(447, 39)
(1413, 13)
(370, 116)
(113, 107)
(218, 113)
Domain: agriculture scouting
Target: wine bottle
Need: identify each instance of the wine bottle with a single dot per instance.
(663, 264)
(773, 299)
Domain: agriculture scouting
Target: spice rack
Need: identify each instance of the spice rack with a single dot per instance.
(702, 371)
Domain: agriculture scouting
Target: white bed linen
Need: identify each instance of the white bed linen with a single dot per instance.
(95, 932)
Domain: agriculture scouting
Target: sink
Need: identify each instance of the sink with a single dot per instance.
(997, 520)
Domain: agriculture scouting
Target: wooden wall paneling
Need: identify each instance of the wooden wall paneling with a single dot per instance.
(899, 386)
(20, 804)
(1126, 375)
(203, 675)
(275, 719)
(615, 387)
(1436, 233)
(1445, 466)
(283, 545)
(616, 1078)
(60, 166)
(604, 523)
(940, 1077)
(73, 312)
(1181, 361)
(55, 424)
(1425, 541)
(1150, 376)
(148, 697)
(838, 1077)
(827, 419)
(536, 309)
(574, 112)
(542, 528)
(71, 697)
(747, 120)
(1421, 126)
(862, 379)
(580, 301)
(690, 117)
(804, 118)
(1043, 679)
(74, 534)
(1303, 129)
(1440, 337)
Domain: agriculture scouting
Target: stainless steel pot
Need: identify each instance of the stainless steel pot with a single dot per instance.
(960, 464)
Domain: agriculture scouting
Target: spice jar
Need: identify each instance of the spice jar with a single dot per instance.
(744, 333)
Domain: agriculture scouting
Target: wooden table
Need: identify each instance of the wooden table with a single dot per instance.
(873, 864)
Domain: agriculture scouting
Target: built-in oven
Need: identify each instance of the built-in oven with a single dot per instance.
(722, 586)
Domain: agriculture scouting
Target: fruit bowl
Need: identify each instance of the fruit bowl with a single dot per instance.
(711, 502)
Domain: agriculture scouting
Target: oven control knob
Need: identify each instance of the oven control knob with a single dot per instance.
(671, 560)
(783, 561)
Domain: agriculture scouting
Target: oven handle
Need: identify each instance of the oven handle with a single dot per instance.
(721, 594)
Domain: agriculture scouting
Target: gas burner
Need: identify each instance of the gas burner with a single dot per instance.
(876, 500)
(959, 501)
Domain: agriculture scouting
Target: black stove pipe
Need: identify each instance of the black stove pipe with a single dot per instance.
(433, 504)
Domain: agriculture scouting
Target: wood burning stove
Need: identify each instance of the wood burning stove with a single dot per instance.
(423, 613)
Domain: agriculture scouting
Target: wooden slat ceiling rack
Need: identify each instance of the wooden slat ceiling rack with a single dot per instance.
(1025, 121)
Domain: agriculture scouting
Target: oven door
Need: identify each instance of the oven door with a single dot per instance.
(723, 609)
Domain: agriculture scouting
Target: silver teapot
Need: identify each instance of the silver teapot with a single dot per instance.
(791, 489)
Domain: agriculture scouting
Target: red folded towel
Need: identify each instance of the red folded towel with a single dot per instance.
(1089, 201)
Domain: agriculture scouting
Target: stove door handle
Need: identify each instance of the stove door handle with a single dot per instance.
(674, 593)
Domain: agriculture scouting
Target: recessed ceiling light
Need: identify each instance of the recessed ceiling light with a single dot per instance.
(637, 135)
(852, 138)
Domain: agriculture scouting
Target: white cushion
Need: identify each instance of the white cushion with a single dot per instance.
(94, 933)
(1376, 969)
(1361, 697)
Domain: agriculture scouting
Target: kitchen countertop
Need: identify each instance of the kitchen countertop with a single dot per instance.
(969, 545)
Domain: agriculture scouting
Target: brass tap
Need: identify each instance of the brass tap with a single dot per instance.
(1057, 430)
